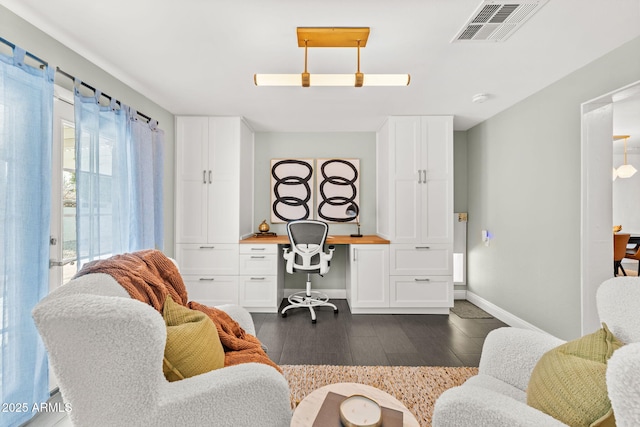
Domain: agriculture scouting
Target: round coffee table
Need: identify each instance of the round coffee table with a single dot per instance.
(306, 412)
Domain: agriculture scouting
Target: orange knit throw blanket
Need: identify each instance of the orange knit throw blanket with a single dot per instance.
(149, 276)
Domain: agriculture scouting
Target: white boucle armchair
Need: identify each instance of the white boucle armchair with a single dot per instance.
(106, 352)
(497, 395)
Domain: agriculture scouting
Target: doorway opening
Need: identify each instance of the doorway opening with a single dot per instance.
(597, 197)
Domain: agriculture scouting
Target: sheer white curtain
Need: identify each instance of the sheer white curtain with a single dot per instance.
(119, 163)
(26, 123)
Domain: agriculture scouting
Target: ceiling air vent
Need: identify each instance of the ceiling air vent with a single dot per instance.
(495, 21)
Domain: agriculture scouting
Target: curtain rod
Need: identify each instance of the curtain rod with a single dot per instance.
(64, 73)
(58, 70)
(29, 54)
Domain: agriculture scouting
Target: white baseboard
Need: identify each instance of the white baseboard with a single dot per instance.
(500, 314)
(331, 293)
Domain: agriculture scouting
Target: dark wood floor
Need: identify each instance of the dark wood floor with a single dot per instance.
(372, 339)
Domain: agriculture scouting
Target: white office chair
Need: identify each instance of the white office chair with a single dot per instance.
(307, 255)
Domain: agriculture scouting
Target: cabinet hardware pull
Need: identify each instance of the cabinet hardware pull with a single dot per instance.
(419, 177)
(257, 257)
(355, 258)
(421, 280)
(209, 177)
(425, 176)
(258, 249)
(422, 247)
(207, 279)
(207, 247)
(257, 278)
(204, 177)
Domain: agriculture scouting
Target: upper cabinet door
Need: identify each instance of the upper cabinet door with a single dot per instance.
(224, 192)
(406, 177)
(192, 179)
(437, 187)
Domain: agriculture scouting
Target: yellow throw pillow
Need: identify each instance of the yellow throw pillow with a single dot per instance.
(193, 346)
(569, 381)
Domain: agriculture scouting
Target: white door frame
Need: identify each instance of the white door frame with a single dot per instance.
(596, 220)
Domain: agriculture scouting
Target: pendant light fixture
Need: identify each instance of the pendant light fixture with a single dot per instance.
(626, 170)
(332, 37)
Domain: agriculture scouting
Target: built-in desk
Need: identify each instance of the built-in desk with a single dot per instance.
(369, 288)
(370, 239)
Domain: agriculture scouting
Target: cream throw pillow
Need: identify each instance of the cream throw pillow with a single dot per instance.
(193, 346)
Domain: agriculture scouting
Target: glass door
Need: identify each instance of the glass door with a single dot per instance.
(62, 253)
(63, 256)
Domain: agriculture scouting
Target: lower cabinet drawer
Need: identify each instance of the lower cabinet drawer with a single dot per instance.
(212, 290)
(421, 291)
(258, 292)
(427, 259)
(209, 259)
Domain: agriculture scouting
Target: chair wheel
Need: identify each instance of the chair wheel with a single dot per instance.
(284, 314)
(335, 311)
(313, 320)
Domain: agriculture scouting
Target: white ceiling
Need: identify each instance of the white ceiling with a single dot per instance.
(199, 56)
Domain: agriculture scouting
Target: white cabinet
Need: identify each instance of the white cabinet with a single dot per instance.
(261, 282)
(415, 160)
(415, 209)
(214, 179)
(214, 204)
(368, 277)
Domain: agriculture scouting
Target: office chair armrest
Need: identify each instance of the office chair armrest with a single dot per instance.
(325, 257)
(286, 252)
(288, 255)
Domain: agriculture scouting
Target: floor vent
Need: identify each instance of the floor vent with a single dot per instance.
(495, 21)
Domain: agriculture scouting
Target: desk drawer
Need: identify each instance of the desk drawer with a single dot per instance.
(421, 291)
(258, 249)
(259, 264)
(427, 259)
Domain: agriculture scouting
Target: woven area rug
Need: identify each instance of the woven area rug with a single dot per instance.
(466, 310)
(416, 387)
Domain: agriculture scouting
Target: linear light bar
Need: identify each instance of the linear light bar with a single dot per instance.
(332, 79)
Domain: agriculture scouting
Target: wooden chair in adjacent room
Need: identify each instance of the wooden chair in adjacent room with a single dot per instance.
(620, 242)
(634, 253)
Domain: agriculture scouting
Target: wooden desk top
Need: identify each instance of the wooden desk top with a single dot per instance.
(370, 239)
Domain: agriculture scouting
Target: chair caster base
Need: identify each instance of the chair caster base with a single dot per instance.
(313, 320)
